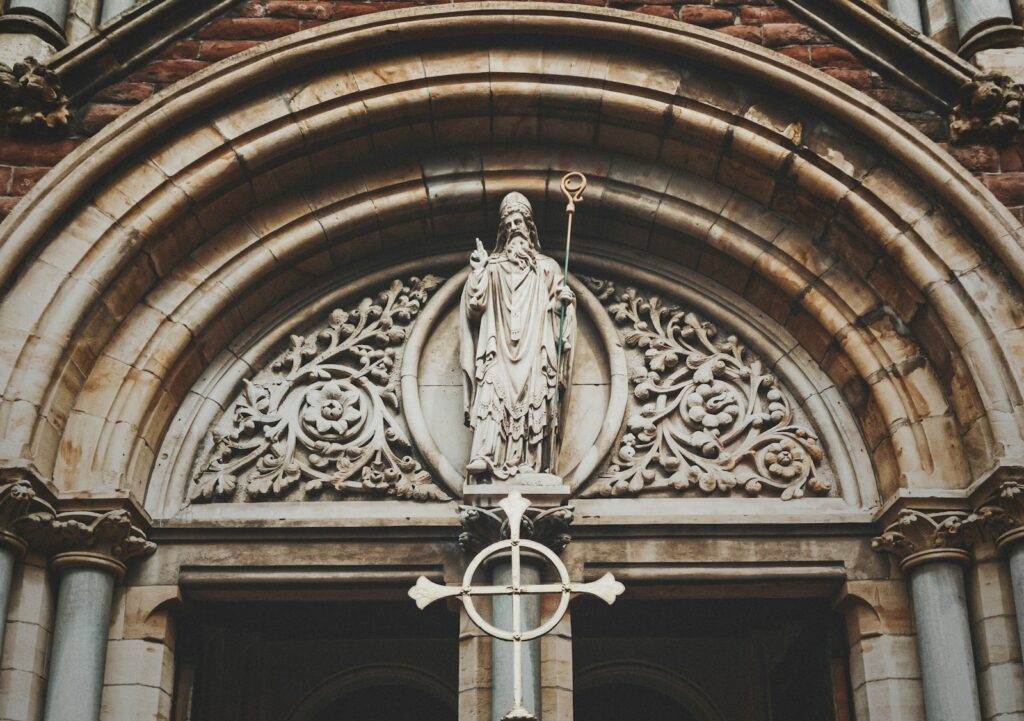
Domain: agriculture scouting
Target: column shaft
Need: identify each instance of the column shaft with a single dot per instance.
(909, 11)
(79, 645)
(944, 642)
(971, 13)
(8, 557)
(55, 10)
(502, 651)
(1016, 562)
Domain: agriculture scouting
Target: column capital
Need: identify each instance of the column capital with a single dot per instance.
(483, 526)
(922, 536)
(23, 509)
(1000, 515)
(105, 540)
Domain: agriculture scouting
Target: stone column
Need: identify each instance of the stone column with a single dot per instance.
(501, 651)
(984, 24)
(482, 527)
(909, 11)
(21, 510)
(1001, 515)
(90, 554)
(930, 550)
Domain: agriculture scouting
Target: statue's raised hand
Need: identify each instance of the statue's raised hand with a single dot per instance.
(478, 258)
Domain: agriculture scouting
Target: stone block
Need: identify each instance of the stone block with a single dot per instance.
(135, 703)
(21, 695)
(145, 663)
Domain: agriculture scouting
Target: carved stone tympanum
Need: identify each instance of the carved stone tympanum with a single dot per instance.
(710, 416)
(517, 344)
(325, 414)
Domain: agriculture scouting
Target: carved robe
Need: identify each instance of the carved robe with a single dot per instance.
(509, 356)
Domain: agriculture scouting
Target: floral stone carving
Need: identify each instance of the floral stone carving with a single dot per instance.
(988, 110)
(325, 414)
(31, 99)
(708, 416)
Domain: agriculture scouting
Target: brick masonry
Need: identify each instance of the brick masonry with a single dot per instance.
(251, 22)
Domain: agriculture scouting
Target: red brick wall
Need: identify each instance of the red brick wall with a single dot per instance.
(254, 21)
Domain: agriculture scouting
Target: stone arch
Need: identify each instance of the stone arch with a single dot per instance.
(141, 256)
(651, 676)
(369, 676)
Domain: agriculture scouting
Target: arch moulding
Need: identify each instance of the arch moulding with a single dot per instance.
(145, 254)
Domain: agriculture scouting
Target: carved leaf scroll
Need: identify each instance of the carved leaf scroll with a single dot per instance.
(708, 416)
(326, 416)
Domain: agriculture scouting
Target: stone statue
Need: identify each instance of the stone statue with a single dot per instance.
(511, 312)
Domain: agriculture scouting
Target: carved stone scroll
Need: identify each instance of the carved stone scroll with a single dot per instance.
(325, 414)
(709, 416)
(482, 526)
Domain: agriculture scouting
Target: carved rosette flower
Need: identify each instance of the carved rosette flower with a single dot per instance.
(917, 536)
(708, 417)
(325, 414)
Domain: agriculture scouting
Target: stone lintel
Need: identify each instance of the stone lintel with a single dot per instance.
(919, 536)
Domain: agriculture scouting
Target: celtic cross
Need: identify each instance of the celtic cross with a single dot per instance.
(426, 592)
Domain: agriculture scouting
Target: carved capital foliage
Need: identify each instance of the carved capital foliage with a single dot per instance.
(988, 110)
(483, 526)
(708, 415)
(22, 511)
(111, 535)
(1001, 515)
(32, 101)
(326, 415)
(916, 533)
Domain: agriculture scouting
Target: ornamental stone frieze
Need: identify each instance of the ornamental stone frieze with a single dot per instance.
(918, 537)
(22, 514)
(707, 415)
(324, 417)
(369, 403)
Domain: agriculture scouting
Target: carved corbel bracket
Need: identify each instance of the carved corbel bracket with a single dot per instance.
(1000, 516)
(483, 526)
(918, 537)
(21, 512)
(104, 540)
(988, 110)
(32, 100)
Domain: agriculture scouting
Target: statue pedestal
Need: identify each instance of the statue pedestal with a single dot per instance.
(542, 490)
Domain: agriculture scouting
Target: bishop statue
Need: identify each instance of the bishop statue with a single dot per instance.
(518, 326)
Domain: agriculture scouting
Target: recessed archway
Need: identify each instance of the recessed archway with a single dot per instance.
(139, 259)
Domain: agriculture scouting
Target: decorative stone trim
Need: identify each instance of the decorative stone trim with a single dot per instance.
(483, 526)
(1001, 515)
(90, 539)
(21, 512)
(988, 110)
(32, 100)
(918, 537)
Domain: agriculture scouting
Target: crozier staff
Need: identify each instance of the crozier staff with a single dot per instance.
(511, 318)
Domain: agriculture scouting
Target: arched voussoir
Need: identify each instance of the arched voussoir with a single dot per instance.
(138, 260)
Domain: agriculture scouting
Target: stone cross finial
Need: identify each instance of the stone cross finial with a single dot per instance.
(514, 505)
